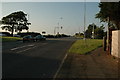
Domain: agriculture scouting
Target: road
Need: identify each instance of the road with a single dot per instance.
(34, 59)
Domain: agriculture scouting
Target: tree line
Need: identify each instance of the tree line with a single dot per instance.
(94, 31)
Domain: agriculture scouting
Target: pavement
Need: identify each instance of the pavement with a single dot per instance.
(95, 65)
(33, 59)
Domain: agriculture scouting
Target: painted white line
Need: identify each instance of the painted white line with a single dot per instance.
(30, 48)
(20, 47)
(31, 45)
(26, 49)
(54, 77)
(17, 48)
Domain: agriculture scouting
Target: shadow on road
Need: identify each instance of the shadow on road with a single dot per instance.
(21, 66)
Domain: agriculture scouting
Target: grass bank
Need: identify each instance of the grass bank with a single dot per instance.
(85, 46)
(9, 39)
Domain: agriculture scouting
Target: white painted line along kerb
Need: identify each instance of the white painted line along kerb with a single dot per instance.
(60, 66)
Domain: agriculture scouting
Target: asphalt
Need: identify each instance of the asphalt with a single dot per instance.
(33, 59)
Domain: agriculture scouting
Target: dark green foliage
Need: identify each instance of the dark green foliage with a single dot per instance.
(15, 21)
(43, 32)
(110, 11)
(98, 32)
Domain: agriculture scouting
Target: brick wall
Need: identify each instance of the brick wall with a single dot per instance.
(116, 43)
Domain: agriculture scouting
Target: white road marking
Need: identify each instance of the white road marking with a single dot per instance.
(26, 49)
(30, 48)
(54, 77)
(21, 47)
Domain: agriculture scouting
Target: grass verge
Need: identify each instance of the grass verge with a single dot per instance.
(85, 46)
(9, 39)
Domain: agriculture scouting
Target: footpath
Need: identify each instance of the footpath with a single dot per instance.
(96, 64)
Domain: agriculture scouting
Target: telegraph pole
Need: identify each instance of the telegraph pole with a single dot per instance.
(61, 20)
(84, 18)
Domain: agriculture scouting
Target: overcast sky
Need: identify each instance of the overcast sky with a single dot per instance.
(45, 16)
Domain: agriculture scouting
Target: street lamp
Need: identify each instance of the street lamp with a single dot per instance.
(55, 30)
(61, 20)
(84, 17)
(58, 27)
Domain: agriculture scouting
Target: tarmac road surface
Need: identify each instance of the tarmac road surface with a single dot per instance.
(33, 59)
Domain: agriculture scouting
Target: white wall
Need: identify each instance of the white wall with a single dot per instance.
(116, 43)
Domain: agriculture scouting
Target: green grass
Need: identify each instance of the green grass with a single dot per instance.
(85, 46)
(9, 39)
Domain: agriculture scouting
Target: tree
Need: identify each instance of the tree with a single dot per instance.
(43, 32)
(88, 32)
(15, 21)
(98, 31)
(109, 12)
(76, 34)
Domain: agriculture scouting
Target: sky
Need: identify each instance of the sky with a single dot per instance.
(45, 16)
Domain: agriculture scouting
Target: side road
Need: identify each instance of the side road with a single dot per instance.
(96, 64)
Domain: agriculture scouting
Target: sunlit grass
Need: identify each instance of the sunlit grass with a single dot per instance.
(7, 39)
(85, 46)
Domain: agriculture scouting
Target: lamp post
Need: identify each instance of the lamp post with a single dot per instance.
(55, 30)
(61, 20)
(58, 27)
(84, 18)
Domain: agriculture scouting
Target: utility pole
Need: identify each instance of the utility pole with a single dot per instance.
(108, 37)
(84, 18)
(58, 26)
(61, 20)
(55, 30)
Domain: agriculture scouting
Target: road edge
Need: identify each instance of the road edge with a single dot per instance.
(58, 70)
